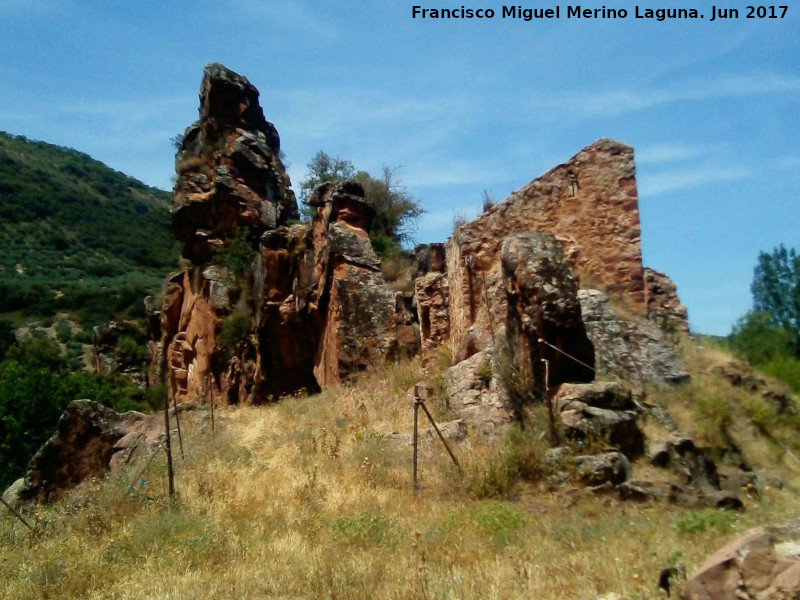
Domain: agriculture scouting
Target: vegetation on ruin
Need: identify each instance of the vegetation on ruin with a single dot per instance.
(397, 212)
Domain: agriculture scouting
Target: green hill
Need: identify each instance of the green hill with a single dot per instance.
(76, 235)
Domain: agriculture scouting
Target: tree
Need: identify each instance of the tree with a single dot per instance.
(322, 168)
(397, 212)
(756, 338)
(776, 290)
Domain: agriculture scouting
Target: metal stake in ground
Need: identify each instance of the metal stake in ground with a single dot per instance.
(15, 513)
(170, 472)
(417, 402)
(439, 433)
(178, 423)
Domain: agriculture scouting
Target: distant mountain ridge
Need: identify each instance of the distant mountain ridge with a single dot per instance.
(77, 235)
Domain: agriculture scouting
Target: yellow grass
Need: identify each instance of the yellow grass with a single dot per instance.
(306, 499)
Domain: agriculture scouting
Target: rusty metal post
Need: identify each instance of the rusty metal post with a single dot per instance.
(416, 438)
(441, 437)
(170, 472)
(178, 423)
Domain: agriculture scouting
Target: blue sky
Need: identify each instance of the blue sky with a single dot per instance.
(710, 108)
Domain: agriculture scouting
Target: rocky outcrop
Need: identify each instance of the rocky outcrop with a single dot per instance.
(475, 394)
(633, 349)
(230, 175)
(267, 307)
(662, 303)
(543, 321)
(598, 469)
(90, 440)
(600, 411)
(761, 564)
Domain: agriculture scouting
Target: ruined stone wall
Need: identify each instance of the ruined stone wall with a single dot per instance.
(589, 203)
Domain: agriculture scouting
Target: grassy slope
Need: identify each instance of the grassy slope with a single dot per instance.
(76, 235)
(303, 499)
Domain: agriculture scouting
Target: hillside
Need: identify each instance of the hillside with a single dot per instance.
(76, 235)
(312, 498)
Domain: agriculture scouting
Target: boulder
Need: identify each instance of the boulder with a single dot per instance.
(544, 316)
(597, 469)
(761, 564)
(600, 410)
(476, 395)
(82, 447)
(11, 495)
(632, 349)
(618, 427)
(600, 394)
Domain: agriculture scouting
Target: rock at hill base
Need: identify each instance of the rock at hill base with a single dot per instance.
(761, 564)
(90, 440)
(608, 467)
(11, 495)
(475, 394)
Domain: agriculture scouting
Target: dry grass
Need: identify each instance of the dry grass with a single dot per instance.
(306, 499)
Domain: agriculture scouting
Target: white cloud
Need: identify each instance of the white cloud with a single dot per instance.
(672, 181)
(665, 153)
(618, 102)
(290, 14)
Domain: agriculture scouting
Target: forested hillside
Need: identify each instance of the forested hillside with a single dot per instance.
(76, 235)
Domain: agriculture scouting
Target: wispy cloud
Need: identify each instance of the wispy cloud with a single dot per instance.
(666, 153)
(618, 102)
(290, 14)
(455, 172)
(675, 180)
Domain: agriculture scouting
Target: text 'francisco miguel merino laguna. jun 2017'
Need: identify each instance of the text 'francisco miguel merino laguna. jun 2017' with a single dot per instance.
(582, 12)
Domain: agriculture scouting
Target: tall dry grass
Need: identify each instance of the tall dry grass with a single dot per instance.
(309, 499)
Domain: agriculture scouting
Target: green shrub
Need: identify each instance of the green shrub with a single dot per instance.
(235, 329)
(519, 459)
(366, 529)
(712, 415)
(694, 522)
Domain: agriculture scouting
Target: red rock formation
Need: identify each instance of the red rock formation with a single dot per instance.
(266, 308)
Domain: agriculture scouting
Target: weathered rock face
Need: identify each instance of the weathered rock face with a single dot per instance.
(542, 304)
(662, 303)
(88, 440)
(632, 350)
(432, 292)
(476, 394)
(590, 204)
(230, 175)
(761, 564)
(363, 322)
